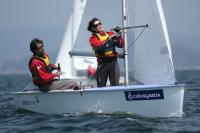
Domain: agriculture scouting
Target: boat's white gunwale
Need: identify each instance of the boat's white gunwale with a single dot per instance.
(111, 88)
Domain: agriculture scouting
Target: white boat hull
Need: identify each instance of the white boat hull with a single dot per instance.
(150, 101)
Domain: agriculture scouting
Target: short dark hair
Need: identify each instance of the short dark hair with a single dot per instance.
(34, 43)
(91, 24)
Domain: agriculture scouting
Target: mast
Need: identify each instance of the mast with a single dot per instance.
(125, 23)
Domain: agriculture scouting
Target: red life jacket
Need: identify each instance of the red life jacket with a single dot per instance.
(40, 74)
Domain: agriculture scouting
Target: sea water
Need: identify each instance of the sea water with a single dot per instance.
(15, 120)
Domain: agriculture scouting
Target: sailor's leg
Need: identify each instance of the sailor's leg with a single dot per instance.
(60, 85)
(101, 75)
(114, 73)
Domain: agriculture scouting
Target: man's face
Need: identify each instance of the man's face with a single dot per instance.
(40, 50)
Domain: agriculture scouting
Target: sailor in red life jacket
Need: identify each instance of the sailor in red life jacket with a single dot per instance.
(104, 45)
(42, 70)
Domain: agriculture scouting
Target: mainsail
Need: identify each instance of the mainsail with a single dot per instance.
(152, 52)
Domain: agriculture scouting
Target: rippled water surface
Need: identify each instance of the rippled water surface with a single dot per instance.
(14, 120)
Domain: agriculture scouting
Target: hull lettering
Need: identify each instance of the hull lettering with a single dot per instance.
(144, 95)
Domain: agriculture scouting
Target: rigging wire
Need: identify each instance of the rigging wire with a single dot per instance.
(142, 31)
(137, 37)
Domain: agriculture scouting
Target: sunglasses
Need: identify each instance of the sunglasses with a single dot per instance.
(40, 46)
(96, 25)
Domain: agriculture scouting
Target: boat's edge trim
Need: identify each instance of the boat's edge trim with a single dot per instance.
(111, 88)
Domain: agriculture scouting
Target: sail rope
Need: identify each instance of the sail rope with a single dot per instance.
(132, 44)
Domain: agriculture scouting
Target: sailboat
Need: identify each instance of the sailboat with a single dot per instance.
(156, 93)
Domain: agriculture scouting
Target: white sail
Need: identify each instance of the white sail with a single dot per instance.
(152, 58)
(67, 62)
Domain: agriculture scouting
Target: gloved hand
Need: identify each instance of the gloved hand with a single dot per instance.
(116, 37)
(52, 67)
(117, 32)
(57, 74)
(117, 29)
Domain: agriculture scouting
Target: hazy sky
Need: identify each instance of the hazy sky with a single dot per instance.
(183, 16)
(22, 20)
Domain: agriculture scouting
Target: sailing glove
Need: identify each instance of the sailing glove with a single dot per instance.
(117, 29)
(57, 75)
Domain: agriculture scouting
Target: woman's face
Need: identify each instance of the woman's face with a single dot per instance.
(97, 26)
